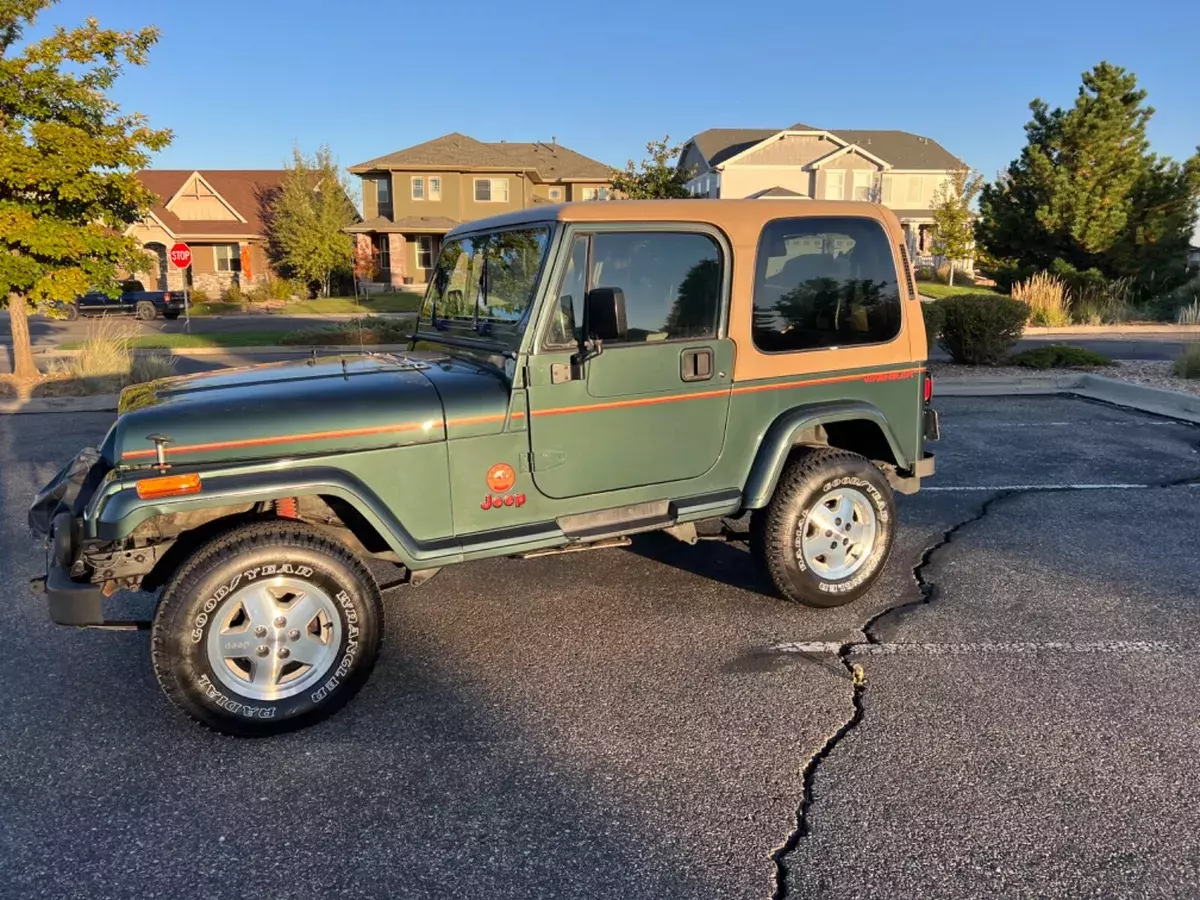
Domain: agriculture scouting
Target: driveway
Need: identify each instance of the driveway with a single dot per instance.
(649, 723)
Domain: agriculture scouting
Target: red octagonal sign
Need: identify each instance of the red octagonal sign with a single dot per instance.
(181, 256)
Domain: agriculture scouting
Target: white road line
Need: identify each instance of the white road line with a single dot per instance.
(1039, 487)
(963, 649)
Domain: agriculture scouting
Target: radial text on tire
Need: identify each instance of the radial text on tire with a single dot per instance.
(269, 627)
(826, 534)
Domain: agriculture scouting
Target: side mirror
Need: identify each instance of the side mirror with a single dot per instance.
(604, 314)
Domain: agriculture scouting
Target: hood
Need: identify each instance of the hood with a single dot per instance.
(328, 405)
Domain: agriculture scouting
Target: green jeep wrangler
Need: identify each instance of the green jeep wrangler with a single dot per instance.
(578, 374)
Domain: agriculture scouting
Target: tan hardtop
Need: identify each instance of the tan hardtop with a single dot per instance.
(742, 222)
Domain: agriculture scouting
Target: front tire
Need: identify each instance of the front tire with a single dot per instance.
(268, 628)
(828, 531)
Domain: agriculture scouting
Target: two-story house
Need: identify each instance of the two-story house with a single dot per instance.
(218, 213)
(412, 197)
(901, 170)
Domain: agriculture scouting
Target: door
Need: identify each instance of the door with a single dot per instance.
(651, 406)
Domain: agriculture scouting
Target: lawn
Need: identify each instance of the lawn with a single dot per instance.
(936, 291)
(400, 302)
(184, 341)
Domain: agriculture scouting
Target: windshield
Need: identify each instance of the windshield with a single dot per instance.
(483, 285)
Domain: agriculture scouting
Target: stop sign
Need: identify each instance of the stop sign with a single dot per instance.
(181, 256)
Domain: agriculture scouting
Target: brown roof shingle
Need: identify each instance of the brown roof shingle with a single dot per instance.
(246, 190)
(551, 162)
(902, 149)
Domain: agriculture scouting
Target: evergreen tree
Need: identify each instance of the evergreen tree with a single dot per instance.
(1087, 196)
(954, 234)
(68, 156)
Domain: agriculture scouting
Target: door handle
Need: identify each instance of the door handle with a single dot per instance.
(696, 364)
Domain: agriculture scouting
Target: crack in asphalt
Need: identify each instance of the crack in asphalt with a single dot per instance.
(927, 592)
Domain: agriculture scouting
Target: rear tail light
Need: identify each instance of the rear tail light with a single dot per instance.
(928, 387)
(167, 297)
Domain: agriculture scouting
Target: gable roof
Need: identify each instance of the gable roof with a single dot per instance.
(551, 162)
(245, 190)
(902, 149)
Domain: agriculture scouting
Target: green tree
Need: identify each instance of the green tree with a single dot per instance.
(1086, 195)
(68, 158)
(306, 221)
(954, 223)
(655, 178)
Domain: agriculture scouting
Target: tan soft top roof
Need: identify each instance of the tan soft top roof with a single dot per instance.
(729, 215)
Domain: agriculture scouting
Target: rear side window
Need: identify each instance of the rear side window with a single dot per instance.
(824, 282)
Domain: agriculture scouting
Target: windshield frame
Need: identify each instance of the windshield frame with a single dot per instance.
(480, 334)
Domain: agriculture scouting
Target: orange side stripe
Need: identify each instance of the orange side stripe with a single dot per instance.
(883, 376)
(617, 404)
(278, 439)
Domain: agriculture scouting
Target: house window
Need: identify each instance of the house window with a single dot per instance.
(835, 185)
(491, 190)
(424, 252)
(595, 193)
(383, 191)
(228, 257)
(913, 194)
(887, 188)
(383, 252)
(435, 187)
(555, 193)
(418, 187)
(862, 184)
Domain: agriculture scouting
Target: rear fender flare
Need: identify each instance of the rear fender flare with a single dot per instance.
(123, 511)
(786, 431)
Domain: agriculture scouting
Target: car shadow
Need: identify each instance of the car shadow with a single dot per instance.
(728, 563)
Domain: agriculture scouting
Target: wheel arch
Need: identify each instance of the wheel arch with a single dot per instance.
(853, 425)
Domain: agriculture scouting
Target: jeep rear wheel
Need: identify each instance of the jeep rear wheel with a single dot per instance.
(828, 530)
(271, 627)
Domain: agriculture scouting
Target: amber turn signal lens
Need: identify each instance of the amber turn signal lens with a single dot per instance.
(168, 486)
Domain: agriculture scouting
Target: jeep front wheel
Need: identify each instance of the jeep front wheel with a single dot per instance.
(828, 530)
(268, 628)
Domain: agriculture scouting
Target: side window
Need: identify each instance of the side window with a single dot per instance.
(568, 311)
(670, 283)
(824, 282)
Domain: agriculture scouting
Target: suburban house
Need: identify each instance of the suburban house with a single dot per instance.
(412, 197)
(218, 213)
(896, 168)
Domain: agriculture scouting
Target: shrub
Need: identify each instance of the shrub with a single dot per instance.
(286, 289)
(980, 329)
(1188, 363)
(258, 293)
(1060, 356)
(1104, 302)
(198, 296)
(365, 330)
(105, 363)
(1189, 315)
(1167, 306)
(1046, 297)
(926, 273)
(151, 367)
(233, 294)
(934, 317)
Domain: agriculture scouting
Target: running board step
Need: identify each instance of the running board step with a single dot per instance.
(605, 544)
(620, 520)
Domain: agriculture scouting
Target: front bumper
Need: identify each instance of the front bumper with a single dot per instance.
(70, 602)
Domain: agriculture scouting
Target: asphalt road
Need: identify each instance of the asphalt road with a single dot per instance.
(642, 723)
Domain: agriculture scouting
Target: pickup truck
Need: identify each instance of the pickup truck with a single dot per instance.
(134, 300)
(578, 374)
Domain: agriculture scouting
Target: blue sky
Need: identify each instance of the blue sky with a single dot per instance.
(240, 83)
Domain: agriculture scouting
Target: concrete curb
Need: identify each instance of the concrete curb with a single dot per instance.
(1157, 401)
(1133, 330)
(97, 403)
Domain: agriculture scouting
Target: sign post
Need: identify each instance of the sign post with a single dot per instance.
(181, 257)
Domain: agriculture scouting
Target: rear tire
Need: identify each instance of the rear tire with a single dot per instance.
(146, 311)
(224, 651)
(73, 312)
(828, 531)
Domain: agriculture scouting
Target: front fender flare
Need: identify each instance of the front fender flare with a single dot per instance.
(782, 436)
(119, 513)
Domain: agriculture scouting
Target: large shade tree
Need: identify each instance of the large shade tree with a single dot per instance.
(68, 158)
(1087, 196)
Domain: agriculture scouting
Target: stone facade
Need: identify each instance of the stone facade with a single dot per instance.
(397, 251)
